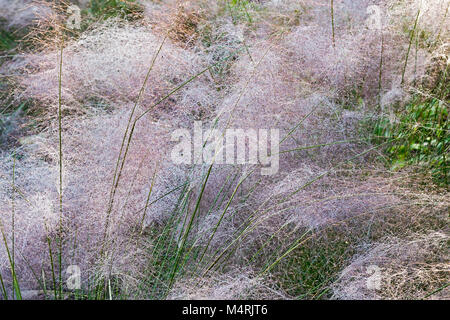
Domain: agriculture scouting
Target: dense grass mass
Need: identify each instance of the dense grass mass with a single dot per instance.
(93, 205)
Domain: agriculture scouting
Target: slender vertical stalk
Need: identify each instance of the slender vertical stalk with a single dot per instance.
(443, 89)
(117, 172)
(52, 265)
(415, 58)
(234, 22)
(188, 229)
(411, 36)
(222, 216)
(5, 296)
(60, 165)
(13, 211)
(141, 226)
(13, 223)
(442, 22)
(16, 288)
(332, 22)
(380, 74)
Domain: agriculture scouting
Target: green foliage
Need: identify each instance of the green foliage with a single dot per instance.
(126, 9)
(7, 41)
(223, 50)
(313, 266)
(239, 10)
(421, 135)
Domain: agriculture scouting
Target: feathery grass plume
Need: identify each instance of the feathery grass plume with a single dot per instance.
(86, 173)
(180, 20)
(432, 26)
(176, 231)
(11, 251)
(105, 68)
(287, 13)
(34, 217)
(411, 268)
(426, 23)
(235, 285)
(23, 13)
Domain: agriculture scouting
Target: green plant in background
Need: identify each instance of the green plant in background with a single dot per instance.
(312, 267)
(126, 9)
(7, 40)
(238, 10)
(421, 135)
(223, 49)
